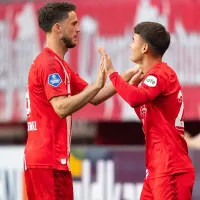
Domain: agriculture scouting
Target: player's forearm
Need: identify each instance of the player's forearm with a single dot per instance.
(69, 105)
(105, 93)
(109, 90)
(130, 93)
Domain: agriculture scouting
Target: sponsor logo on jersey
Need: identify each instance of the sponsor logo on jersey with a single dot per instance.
(151, 81)
(54, 80)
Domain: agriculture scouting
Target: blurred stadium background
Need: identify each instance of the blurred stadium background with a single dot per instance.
(108, 144)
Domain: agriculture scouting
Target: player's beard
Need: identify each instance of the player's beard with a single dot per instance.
(68, 42)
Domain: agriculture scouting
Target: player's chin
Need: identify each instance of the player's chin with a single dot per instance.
(75, 41)
(132, 59)
(72, 45)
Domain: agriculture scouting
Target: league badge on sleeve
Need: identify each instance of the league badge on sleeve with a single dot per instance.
(54, 80)
(151, 81)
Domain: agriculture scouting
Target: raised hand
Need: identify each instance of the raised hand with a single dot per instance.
(137, 78)
(131, 72)
(101, 77)
(107, 62)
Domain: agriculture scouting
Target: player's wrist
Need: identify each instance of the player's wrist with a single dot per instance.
(98, 85)
(111, 71)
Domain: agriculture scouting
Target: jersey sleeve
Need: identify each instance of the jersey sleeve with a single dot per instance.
(77, 83)
(53, 79)
(132, 94)
(155, 84)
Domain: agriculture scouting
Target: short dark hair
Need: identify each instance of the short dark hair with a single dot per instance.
(52, 13)
(155, 35)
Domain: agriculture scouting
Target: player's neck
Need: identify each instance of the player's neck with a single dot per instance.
(148, 63)
(56, 46)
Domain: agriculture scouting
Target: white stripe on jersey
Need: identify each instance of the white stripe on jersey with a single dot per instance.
(66, 76)
(69, 118)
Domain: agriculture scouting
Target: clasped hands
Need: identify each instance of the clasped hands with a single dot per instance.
(136, 75)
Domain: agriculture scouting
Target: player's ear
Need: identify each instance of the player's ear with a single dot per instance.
(57, 27)
(145, 48)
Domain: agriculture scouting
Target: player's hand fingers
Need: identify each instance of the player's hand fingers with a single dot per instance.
(139, 74)
(102, 51)
(134, 70)
(102, 64)
(137, 77)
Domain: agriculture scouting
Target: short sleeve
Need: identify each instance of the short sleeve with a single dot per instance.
(154, 84)
(77, 83)
(53, 79)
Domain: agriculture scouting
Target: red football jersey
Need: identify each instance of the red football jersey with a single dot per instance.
(163, 123)
(49, 136)
(158, 102)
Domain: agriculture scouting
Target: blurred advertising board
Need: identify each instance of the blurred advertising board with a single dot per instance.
(21, 40)
(106, 173)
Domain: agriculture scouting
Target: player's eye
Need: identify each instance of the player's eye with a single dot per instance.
(74, 23)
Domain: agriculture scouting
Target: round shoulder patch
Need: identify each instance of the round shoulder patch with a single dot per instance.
(54, 80)
(151, 81)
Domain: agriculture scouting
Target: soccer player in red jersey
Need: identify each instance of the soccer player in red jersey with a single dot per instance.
(155, 94)
(54, 93)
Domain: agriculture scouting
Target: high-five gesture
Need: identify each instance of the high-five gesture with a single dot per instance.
(101, 77)
(107, 62)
